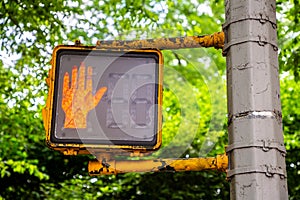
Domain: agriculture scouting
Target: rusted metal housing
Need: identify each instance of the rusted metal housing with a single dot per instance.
(109, 166)
(215, 40)
(91, 148)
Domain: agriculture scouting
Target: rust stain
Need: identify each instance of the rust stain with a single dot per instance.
(219, 163)
(215, 40)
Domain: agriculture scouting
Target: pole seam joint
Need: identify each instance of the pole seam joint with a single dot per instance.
(268, 170)
(261, 41)
(265, 144)
(261, 19)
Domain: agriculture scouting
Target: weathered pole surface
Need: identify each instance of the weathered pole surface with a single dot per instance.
(256, 150)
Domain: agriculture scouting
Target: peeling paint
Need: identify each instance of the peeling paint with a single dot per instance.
(215, 40)
(256, 115)
(264, 90)
(219, 163)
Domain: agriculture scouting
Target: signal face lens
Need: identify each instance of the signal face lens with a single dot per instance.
(107, 98)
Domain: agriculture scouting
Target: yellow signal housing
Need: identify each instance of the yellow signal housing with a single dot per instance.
(104, 100)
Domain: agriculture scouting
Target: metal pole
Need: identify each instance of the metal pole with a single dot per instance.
(215, 40)
(95, 167)
(256, 150)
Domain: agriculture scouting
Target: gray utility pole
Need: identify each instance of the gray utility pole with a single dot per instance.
(256, 150)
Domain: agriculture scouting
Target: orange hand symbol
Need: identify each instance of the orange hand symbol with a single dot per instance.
(78, 99)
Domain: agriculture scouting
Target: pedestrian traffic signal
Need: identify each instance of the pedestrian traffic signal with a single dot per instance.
(104, 99)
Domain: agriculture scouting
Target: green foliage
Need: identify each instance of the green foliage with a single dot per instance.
(288, 34)
(290, 94)
(42, 173)
(193, 106)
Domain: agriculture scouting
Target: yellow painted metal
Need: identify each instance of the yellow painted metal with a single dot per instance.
(105, 167)
(74, 148)
(215, 40)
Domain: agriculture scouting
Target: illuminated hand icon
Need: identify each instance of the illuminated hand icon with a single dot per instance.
(78, 99)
